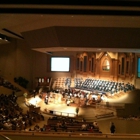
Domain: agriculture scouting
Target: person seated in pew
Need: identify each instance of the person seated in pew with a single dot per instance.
(84, 126)
(91, 129)
(83, 120)
(59, 124)
(36, 127)
(96, 127)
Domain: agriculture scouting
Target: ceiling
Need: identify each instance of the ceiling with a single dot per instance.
(95, 26)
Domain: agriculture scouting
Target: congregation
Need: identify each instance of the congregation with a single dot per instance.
(7, 84)
(12, 116)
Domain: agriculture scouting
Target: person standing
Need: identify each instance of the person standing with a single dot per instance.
(34, 93)
(77, 110)
(46, 100)
(112, 128)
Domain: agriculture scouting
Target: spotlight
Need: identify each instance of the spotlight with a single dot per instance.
(5, 39)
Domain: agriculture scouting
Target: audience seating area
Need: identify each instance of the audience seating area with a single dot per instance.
(83, 94)
(61, 83)
(72, 125)
(7, 84)
(58, 83)
(12, 116)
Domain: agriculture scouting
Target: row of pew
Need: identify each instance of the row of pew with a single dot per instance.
(68, 124)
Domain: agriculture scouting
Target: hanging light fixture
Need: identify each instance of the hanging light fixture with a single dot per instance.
(3, 38)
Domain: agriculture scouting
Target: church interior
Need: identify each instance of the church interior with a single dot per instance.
(69, 70)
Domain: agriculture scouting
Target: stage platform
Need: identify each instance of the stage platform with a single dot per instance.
(61, 109)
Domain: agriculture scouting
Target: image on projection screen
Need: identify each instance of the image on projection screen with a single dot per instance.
(138, 69)
(60, 64)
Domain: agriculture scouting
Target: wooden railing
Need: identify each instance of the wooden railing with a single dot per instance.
(105, 115)
(16, 135)
(58, 113)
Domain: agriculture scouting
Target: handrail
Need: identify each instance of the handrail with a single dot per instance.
(59, 113)
(7, 138)
(69, 134)
(111, 114)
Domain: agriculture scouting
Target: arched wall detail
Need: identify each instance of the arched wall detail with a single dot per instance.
(92, 64)
(105, 73)
(122, 66)
(117, 62)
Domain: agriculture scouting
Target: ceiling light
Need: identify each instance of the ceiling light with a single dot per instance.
(5, 39)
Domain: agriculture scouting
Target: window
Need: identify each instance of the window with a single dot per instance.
(133, 65)
(85, 63)
(127, 67)
(39, 80)
(92, 65)
(42, 80)
(81, 65)
(123, 63)
(77, 63)
(119, 68)
(89, 65)
(106, 65)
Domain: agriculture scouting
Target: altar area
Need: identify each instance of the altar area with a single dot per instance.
(57, 105)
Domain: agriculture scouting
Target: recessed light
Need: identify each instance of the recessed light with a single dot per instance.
(5, 39)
